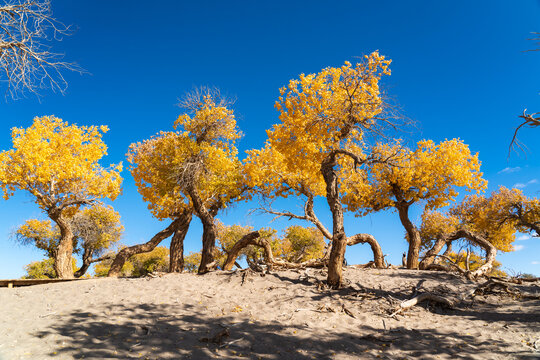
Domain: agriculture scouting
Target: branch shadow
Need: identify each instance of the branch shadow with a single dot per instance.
(153, 331)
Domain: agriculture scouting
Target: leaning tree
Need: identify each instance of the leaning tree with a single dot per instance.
(325, 121)
(58, 164)
(479, 221)
(152, 162)
(430, 174)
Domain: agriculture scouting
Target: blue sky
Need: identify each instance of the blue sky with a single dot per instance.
(459, 69)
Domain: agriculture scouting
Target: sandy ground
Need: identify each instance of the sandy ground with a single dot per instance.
(283, 315)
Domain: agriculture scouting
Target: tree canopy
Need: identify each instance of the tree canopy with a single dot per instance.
(58, 164)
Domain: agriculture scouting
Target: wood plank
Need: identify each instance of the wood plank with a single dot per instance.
(27, 282)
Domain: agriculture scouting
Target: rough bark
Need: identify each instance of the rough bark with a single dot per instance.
(413, 234)
(62, 261)
(432, 253)
(89, 260)
(209, 231)
(378, 257)
(339, 239)
(126, 253)
(249, 239)
(254, 238)
(176, 250)
(491, 253)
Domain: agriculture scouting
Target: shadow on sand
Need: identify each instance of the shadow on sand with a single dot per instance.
(151, 331)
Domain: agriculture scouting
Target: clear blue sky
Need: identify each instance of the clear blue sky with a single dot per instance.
(459, 69)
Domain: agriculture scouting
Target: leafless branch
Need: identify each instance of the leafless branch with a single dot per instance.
(26, 60)
(531, 120)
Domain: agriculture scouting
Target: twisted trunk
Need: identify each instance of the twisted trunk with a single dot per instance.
(209, 231)
(208, 262)
(378, 257)
(126, 253)
(491, 251)
(413, 234)
(176, 250)
(62, 259)
(249, 239)
(253, 238)
(89, 261)
(432, 253)
(339, 239)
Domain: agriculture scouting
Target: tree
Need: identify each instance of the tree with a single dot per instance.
(429, 174)
(152, 166)
(209, 173)
(58, 164)
(325, 120)
(181, 172)
(479, 220)
(95, 229)
(27, 63)
(140, 264)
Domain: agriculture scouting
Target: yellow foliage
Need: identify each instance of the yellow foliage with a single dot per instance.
(192, 262)
(40, 233)
(203, 155)
(491, 217)
(319, 113)
(431, 173)
(301, 244)
(97, 228)
(44, 269)
(58, 164)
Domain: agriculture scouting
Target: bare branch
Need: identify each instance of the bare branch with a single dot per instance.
(26, 60)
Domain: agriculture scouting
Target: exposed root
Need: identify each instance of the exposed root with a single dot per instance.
(420, 298)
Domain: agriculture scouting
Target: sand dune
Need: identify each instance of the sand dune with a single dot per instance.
(282, 315)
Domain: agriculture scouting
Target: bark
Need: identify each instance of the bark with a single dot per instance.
(62, 261)
(413, 234)
(491, 251)
(126, 253)
(208, 262)
(89, 261)
(176, 250)
(254, 238)
(249, 239)
(378, 257)
(209, 232)
(448, 250)
(339, 239)
(432, 253)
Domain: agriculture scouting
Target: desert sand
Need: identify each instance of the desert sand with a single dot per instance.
(282, 315)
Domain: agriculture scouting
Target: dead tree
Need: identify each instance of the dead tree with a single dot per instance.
(26, 60)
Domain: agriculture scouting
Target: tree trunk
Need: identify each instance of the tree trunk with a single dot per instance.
(246, 240)
(339, 239)
(253, 238)
(176, 250)
(491, 251)
(89, 261)
(432, 253)
(378, 257)
(209, 231)
(413, 235)
(209, 245)
(62, 262)
(126, 253)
